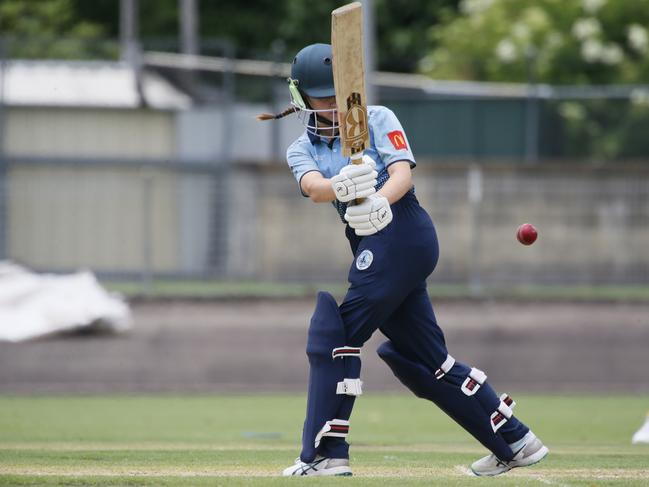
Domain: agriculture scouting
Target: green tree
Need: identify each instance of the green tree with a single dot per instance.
(401, 26)
(551, 41)
(557, 42)
(50, 29)
(256, 28)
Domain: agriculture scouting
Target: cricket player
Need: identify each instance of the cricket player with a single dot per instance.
(395, 249)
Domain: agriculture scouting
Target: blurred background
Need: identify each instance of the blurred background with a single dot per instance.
(129, 147)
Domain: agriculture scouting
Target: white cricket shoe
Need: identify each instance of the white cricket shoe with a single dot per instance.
(642, 435)
(319, 466)
(528, 451)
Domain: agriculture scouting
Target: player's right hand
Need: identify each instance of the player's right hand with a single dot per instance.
(355, 180)
(370, 215)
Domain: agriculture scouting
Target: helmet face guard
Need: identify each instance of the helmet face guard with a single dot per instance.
(312, 77)
(313, 120)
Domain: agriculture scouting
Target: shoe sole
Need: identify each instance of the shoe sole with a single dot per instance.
(330, 472)
(335, 472)
(533, 460)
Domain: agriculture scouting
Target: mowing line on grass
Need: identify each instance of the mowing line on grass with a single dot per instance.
(464, 470)
(467, 471)
(547, 476)
(543, 480)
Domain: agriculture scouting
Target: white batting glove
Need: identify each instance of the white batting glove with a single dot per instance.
(355, 180)
(370, 216)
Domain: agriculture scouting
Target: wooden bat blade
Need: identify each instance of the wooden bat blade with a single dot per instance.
(349, 77)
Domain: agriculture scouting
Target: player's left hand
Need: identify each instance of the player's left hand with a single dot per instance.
(370, 216)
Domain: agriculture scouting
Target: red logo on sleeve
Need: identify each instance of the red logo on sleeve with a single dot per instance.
(398, 140)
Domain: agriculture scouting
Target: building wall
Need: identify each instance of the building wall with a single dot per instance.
(593, 224)
(106, 219)
(89, 133)
(71, 203)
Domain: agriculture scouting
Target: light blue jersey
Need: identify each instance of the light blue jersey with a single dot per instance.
(388, 144)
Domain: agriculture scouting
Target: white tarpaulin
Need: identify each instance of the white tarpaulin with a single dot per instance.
(33, 305)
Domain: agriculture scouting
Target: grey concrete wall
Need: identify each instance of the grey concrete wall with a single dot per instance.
(593, 225)
(89, 133)
(210, 134)
(108, 219)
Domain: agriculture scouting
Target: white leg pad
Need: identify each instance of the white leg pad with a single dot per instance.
(472, 383)
(350, 387)
(500, 416)
(335, 427)
(506, 398)
(445, 367)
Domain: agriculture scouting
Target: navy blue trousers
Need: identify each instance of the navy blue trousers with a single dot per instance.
(391, 295)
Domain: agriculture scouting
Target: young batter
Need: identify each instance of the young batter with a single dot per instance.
(395, 249)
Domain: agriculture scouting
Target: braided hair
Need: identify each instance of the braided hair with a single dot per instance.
(270, 116)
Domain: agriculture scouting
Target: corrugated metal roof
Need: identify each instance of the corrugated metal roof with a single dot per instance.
(84, 84)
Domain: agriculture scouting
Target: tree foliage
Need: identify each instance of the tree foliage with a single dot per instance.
(400, 27)
(552, 41)
(254, 28)
(49, 29)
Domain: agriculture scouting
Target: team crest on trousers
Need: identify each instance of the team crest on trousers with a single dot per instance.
(364, 260)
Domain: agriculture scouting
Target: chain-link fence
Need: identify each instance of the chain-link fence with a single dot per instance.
(137, 175)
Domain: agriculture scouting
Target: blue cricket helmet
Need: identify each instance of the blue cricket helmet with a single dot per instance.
(312, 69)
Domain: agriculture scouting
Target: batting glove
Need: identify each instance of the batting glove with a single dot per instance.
(355, 180)
(370, 216)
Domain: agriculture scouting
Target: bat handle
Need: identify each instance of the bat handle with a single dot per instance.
(357, 158)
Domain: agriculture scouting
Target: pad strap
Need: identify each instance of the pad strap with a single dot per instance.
(500, 416)
(350, 387)
(506, 398)
(346, 352)
(445, 367)
(336, 427)
(473, 382)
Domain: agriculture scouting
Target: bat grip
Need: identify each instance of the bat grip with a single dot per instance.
(357, 158)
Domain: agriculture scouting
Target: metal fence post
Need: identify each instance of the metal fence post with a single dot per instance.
(475, 192)
(146, 176)
(278, 92)
(531, 145)
(3, 158)
(220, 210)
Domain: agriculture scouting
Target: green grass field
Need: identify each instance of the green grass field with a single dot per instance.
(247, 440)
(196, 289)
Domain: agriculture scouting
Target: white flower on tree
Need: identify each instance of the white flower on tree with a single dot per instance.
(506, 51)
(638, 38)
(475, 7)
(586, 28)
(612, 54)
(591, 50)
(592, 6)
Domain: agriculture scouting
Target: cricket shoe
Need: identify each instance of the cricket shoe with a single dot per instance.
(319, 466)
(642, 435)
(527, 451)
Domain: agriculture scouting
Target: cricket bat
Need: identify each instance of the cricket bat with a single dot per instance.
(349, 79)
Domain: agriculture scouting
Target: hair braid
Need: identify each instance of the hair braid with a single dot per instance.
(270, 116)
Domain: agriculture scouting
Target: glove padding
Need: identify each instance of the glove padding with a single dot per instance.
(355, 180)
(370, 216)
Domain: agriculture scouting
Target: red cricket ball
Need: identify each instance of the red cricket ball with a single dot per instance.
(526, 234)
